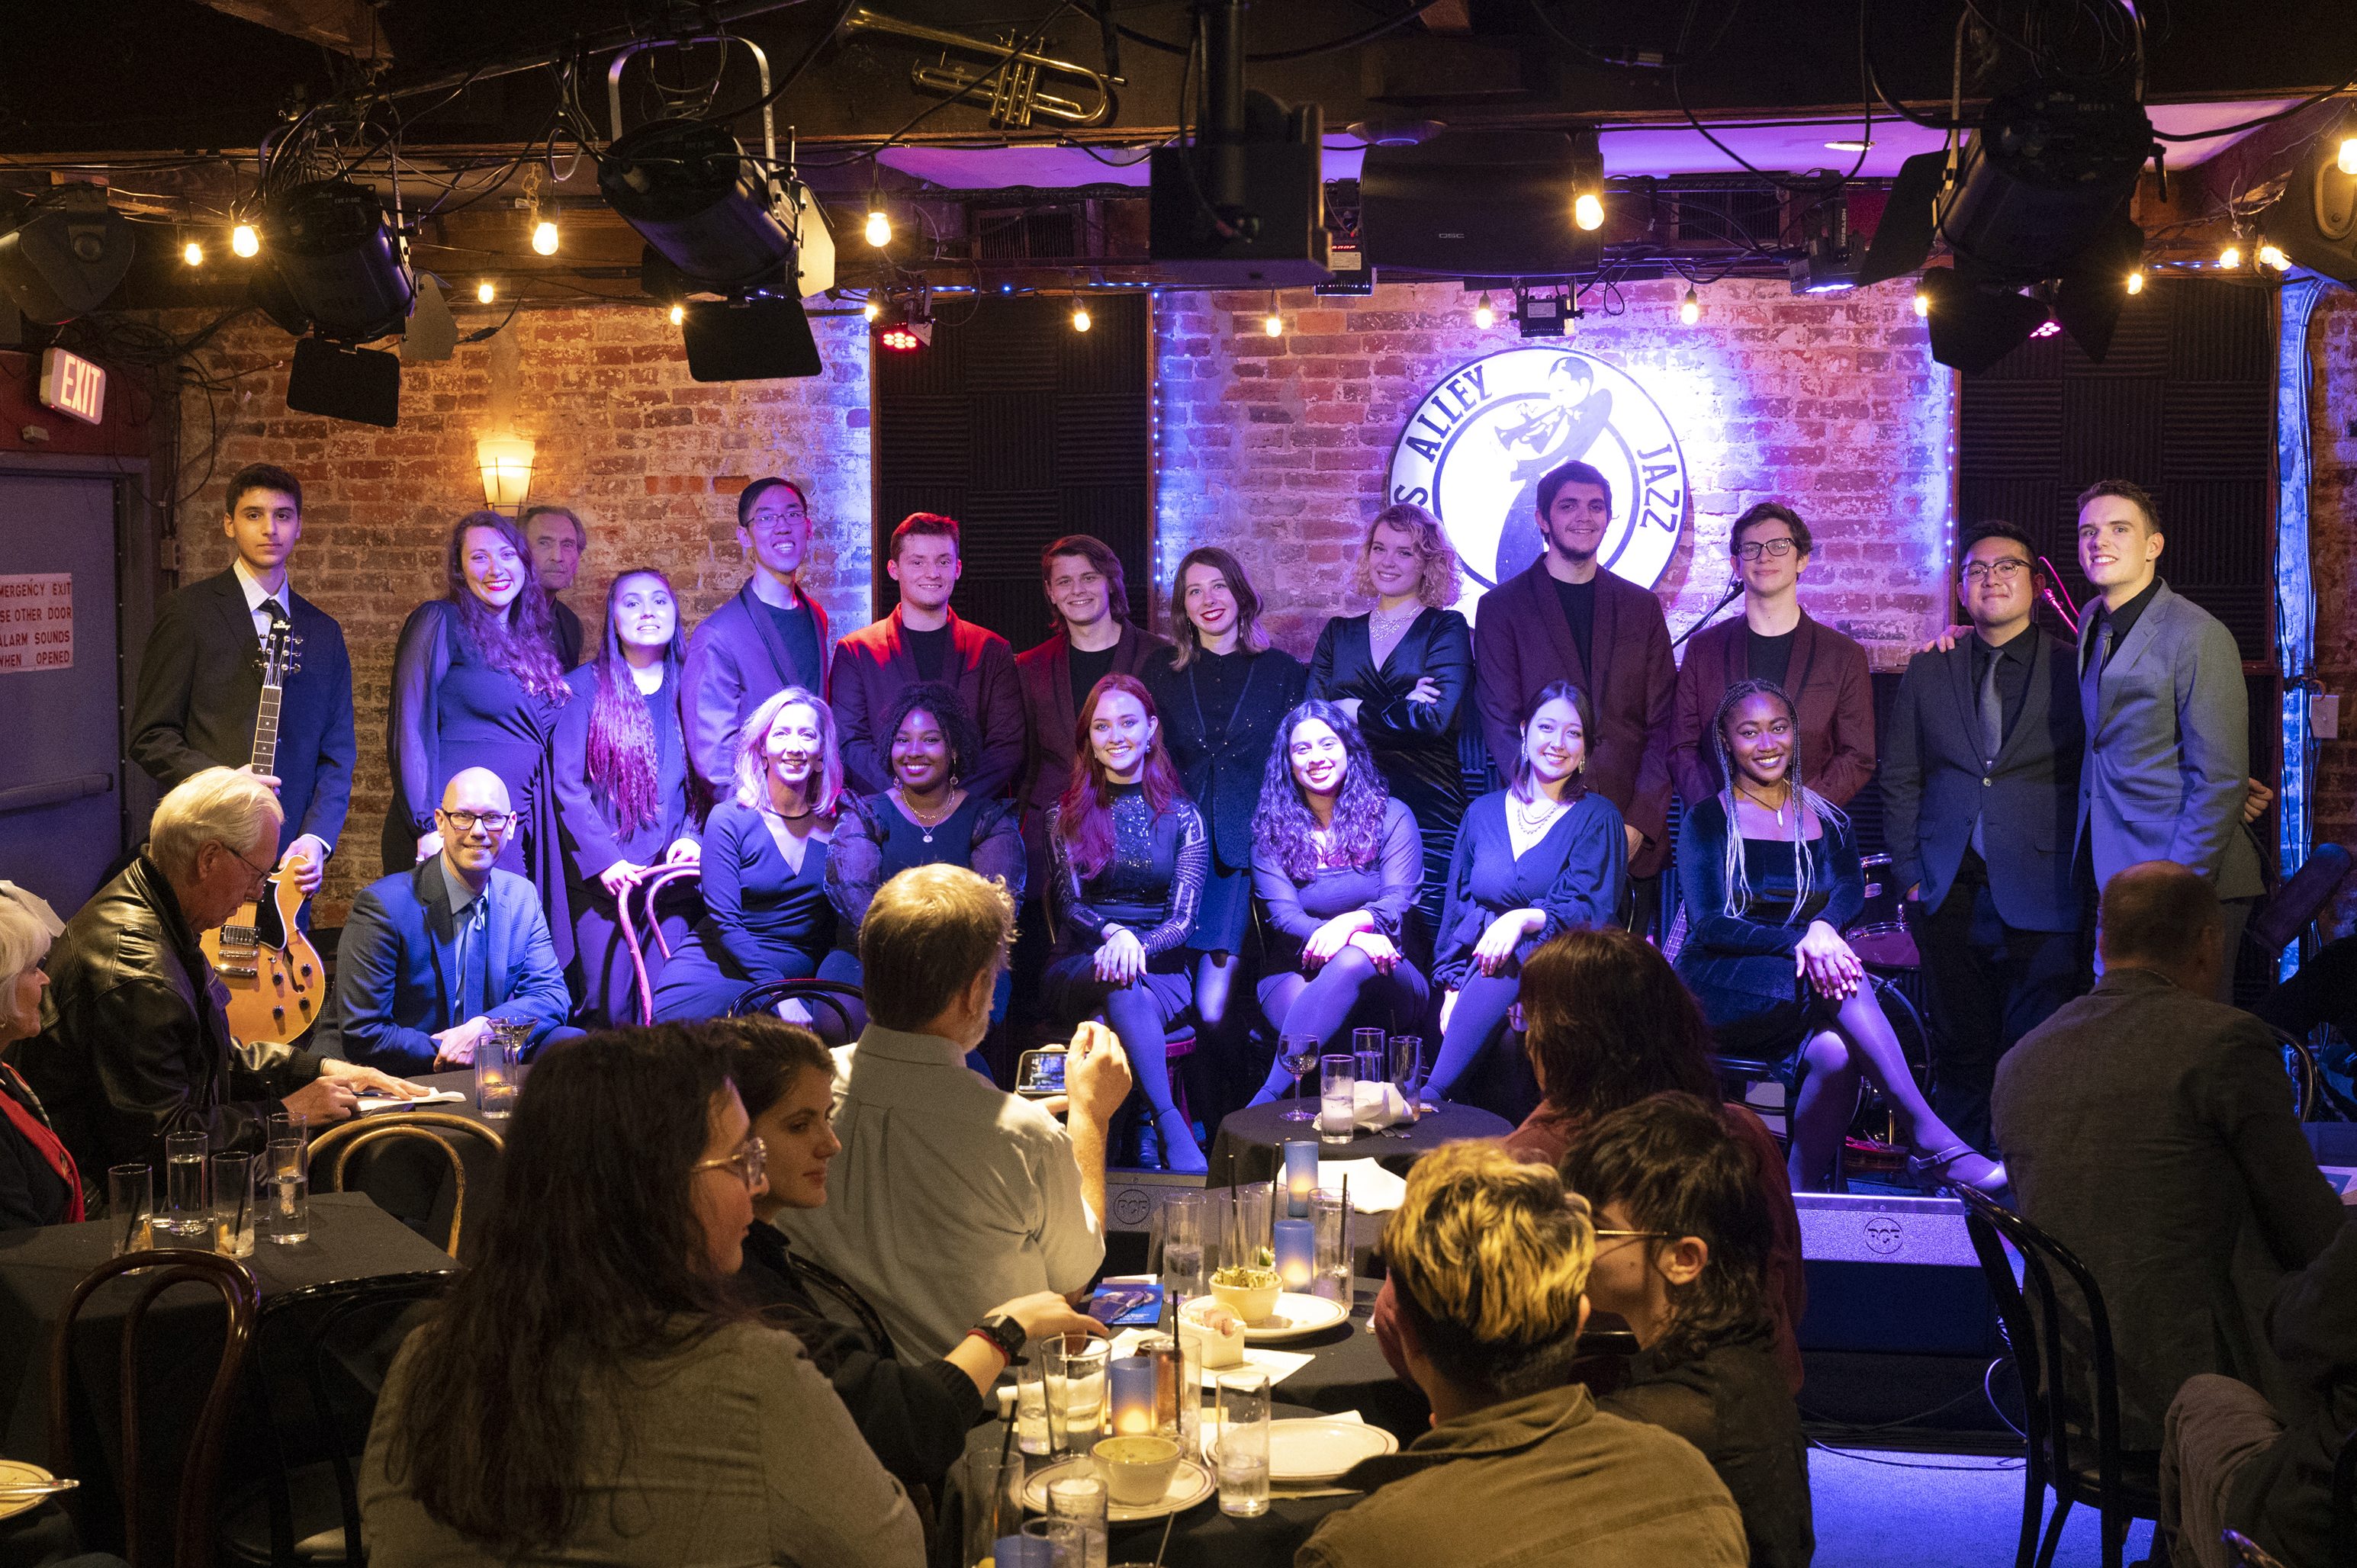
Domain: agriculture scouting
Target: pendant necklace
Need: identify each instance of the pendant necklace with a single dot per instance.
(1777, 809)
(925, 824)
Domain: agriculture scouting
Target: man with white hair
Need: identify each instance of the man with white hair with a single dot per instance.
(133, 1041)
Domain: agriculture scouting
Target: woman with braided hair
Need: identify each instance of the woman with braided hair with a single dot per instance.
(1769, 870)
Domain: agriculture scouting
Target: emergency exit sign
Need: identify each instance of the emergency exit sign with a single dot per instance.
(73, 386)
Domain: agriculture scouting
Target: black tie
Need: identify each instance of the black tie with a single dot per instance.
(1992, 741)
(2091, 679)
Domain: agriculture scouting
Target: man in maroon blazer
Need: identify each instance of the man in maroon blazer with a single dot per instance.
(1774, 639)
(924, 639)
(1568, 618)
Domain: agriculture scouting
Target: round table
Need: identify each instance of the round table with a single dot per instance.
(1246, 1147)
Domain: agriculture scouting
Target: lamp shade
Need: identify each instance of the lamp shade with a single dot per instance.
(506, 462)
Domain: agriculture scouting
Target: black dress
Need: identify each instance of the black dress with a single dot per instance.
(1738, 964)
(763, 920)
(1219, 717)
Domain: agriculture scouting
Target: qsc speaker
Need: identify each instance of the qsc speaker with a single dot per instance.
(1481, 204)
(2315, 221)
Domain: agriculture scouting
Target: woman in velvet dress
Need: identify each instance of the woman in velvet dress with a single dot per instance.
(1337, 864)
(1127, 857)
(1403, 672)
(475, 685)
(766, 915)
(622, 793)
(1536, 858)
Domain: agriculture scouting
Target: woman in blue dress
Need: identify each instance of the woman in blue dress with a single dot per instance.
(1532, 860)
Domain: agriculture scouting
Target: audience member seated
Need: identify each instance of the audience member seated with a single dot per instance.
(1536, 858)
(38, 1183)
(133, 1043)
(1338, 864)
(2229, 1460)
(1679, 1258)
(951, 1197)
(1127, 855)
(765, 917)
(915, 1416)
(1770, 873)
(2322, 991)
(432, 958)
(1490, 1255)
(2150, 1129)
(1607, 1024)
(593, 1390)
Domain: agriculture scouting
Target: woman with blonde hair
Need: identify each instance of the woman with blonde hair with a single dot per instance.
(38, 1183)
(1404, 672)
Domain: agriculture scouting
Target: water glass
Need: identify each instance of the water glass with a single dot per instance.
(234, 1214)
(498, 1070)
(1337, 1090)
(994, 1502)
(1083, 1501)
(1180, 1242)
(1177, 1388)
(1407, 1070)
(1242, 1462)
(1244, 1232)
(1367, 1050)
(1051, 1543)
(286, 1176)
(1031, 1432)
(1299, 1053)
(131, 1206)
(1330, 1243)
(1076, 1393)
(184, 1216)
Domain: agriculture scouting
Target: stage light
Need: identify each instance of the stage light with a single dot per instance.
(193, 254)
(2231, 256)
(2349, 154)
(67, 255)
(1544, 315)
(2136, 281)
(1483, 317)
(485, 292)
(879, 228)
(702, 205)
(336, 266)
(1588, 210)
(244, 240)
(2272, 256)
(1690, 311)
(678, 314)
(2046, 329)
(544, 237)
(1080, 318)
(1828, 262)
(904, 324)
(1922, 301)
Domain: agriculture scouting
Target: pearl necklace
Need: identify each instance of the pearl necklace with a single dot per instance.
(923, 821)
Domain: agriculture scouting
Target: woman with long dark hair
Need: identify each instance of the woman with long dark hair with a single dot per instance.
(475, 685)
(1127, 855)
(619, 761)
(593, 1389)
(1532, 860)
(1337, 864)
(1770, 873)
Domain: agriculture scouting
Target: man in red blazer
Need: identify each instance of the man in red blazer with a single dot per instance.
(924, 639)
(1568, 618)
(1823, 671)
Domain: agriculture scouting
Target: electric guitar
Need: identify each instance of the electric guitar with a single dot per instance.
(277, 983)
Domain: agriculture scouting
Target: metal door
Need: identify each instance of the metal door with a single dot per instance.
(60, 724)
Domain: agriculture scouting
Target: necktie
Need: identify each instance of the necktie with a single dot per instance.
(276, 611)
(473, 980)
(2091, 679)
(1992, 740)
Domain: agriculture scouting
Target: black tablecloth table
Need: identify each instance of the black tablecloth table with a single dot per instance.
(1246, 1147)
(350, 1239)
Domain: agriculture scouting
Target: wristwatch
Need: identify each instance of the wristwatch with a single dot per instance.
(1002, 1330)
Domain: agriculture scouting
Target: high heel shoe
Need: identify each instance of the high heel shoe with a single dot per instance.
(1180, 1151)
(1962, 1163)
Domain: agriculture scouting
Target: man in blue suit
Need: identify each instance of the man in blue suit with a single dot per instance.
(432, 958)
(200, 677)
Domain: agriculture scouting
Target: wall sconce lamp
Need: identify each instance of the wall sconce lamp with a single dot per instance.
(506, 462)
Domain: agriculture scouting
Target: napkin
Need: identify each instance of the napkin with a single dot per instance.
(1375, 1105)
(1278, 1364)
(369, 1102)
(1373, 1190)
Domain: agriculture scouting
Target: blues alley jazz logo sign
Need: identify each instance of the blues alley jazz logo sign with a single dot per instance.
(1475, 449)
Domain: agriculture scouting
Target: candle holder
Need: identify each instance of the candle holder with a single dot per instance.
(1297, 1254)
(1300, 1176)
(1135, 1396)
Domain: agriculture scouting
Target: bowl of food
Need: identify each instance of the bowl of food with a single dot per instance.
(1137, 1470)
(1250, 1294)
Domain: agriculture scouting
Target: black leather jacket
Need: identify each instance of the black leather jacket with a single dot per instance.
(133, 1043)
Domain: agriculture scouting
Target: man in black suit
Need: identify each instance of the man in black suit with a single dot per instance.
(1980, 792)
(772, 636)
(200, 677)
(558, 540)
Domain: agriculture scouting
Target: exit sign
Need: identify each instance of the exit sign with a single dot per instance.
(73, 386)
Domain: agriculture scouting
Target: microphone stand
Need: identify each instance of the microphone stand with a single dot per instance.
(1733, 592)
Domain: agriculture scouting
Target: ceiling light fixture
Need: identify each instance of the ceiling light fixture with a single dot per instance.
(193, 254)
(1690, 309)
(1587, 210)
(2231, 256)
(2136, 281)
(244, 240)
(66, 255)
(879, 228)
(1483, 317)
(544, 237)
(485, 292)
(678, 315)
(1922, 301)
(2272, 256)
(1273, 324)
(1079, 317)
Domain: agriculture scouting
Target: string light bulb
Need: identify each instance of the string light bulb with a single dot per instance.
(1922, 301)
(1273, 324)
(484, 293)
(193, 254)
(544, 237)
(1079, 317)
(874, 310)
(2136, 281)
(2272, 256)
(678, 314)
(1588, 210)
(244, 240)
(2349, 154)
(2231, 256)
(1483, 317)
(1690, 309)
(879, 228)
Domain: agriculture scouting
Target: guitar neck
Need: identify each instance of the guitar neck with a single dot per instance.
(265, 731)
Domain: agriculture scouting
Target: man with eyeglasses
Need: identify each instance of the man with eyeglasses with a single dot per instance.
(773, 635)
(1980, 798)
(1775, 639)
(133, 1042)
(433, 957)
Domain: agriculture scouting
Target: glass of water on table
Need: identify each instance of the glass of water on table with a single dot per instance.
(1242, 1461)
(286, 1181)
(187, 1218)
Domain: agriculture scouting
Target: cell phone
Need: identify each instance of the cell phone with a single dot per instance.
(1038, 1074)
(1118, 1306)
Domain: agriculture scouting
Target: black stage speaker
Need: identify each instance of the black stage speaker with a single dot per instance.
(1892, 1274)
(2315, 221)
(1481, 203)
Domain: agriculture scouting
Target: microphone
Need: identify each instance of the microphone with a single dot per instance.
(1733, 590)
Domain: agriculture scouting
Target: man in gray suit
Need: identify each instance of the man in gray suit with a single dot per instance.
(1980, 788)
(2150, 1130)
(2160, 685)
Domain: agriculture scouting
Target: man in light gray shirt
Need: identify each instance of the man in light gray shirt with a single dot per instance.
(951, 1196)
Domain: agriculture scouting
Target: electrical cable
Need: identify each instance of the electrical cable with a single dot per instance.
(1866, 136)
(794, 72)
(2307, 103)
(1643, 61)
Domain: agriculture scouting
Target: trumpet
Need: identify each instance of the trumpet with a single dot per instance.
(1014, 94)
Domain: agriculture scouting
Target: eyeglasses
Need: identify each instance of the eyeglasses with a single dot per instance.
(770, 517)
(260, 874)
(2003, 571)
(1775, 549)
(748, 1161)
(1635, 1236)
(493, 823)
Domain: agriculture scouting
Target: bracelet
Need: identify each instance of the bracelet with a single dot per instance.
(987, 1338)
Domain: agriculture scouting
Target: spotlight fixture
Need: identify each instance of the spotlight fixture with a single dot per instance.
(67, 255)
(339, 272)
(1483, 317)
(1273, 323)
(193, 254)
(544, 237)
(1079, 317)
(879, 228)
(2231, 257)
(1690, 310)
(1588, 210)
(485, 292)
(1544, 316)
(1828, 262)
(904, 323)
(244, 240)
(2136, 281)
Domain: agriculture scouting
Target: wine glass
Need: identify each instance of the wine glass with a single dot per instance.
(1299, 1055)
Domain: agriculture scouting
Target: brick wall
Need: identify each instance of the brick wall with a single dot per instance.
(2332, 504)
(651, 459)
(1278, 448)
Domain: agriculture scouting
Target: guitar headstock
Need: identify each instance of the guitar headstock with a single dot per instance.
(278, 660)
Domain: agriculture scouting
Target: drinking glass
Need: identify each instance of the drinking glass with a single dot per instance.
(1177, 1388)
(1300, 1053)
(1052, 1543)
(1032, 1434)
(994, 1502)
(1338, 1090)
(1076, 1393)
(1243, 1234)
(131, 1205)
(234, 1214)
(1330, 1243)
(1243, 1463)
(1367, 1050)
(184, 1216)
(499, 1064)
(1083, 1501)
(1182, 1232)
(286, 1170)
(1408, 1071)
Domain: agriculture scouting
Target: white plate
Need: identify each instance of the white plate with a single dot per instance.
(1296, 1315)
(1189, 1485)
(1303, 1451)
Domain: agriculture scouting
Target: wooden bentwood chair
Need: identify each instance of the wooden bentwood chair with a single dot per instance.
(420, 1126)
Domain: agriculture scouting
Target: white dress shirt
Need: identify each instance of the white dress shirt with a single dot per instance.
(949, 1197)
(256, 592)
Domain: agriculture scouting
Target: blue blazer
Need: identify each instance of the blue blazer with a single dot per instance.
(398, 964)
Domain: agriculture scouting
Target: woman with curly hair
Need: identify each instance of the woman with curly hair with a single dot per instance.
(1403, 673)
(475, 685)
(1337, 864)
